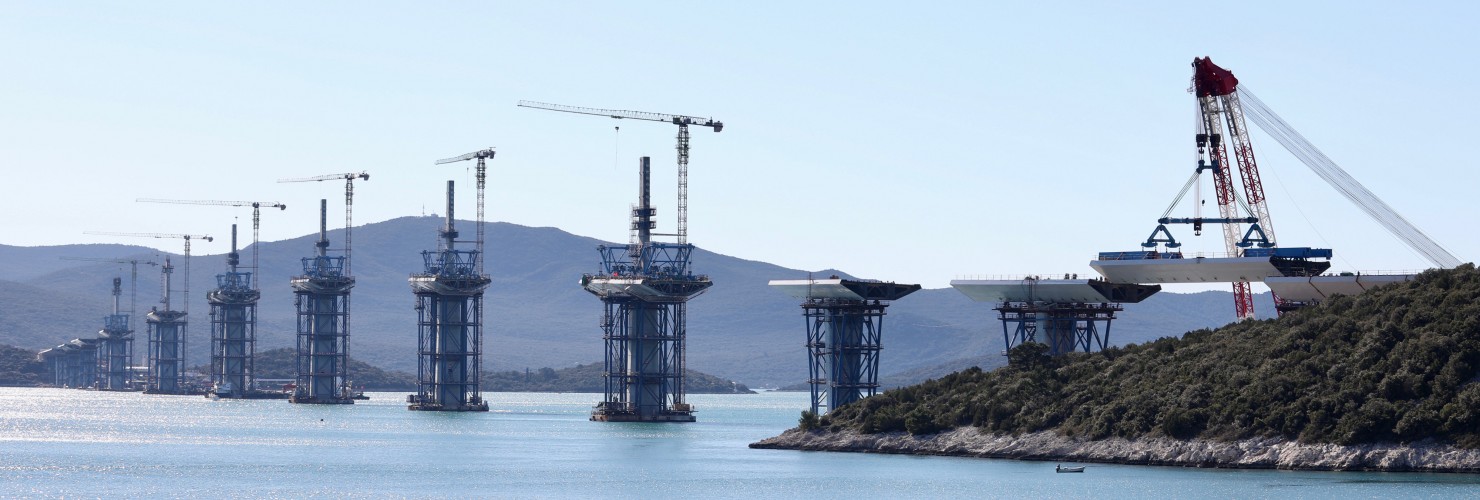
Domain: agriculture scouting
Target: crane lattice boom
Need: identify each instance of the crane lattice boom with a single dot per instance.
(349, 203)
(256, 223)
(133, 300)
(683, 122)
(1213, 86)
(481, 156)
(253, 204)
(625, 114)
(186, 237)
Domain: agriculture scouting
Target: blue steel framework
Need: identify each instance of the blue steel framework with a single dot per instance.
(644, 287)
(80, 364)
(449, 310)
(1064, 327)
(167, 329)
(233, 328)
(53, 359)
(843, 344)
(844, 339)
(116, 347)
(321, 297)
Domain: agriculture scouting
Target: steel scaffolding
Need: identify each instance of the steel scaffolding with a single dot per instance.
(845, 330)
(233, 329)
(116, 347)
(321, 297)
(644, 288)
(1064, 327)
(449, 310)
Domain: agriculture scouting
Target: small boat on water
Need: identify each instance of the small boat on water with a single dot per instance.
(1061, 469)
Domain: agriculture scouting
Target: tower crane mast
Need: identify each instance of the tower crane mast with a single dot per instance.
(256, 221)
(349, 202)
(186, 237)
(683, 122)
(481, 156)
(133, 300)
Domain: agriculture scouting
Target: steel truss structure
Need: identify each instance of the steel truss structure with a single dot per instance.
(644, 287)
(1064, 327)
(321, 298)
(233, 333)
(644, 362)
(449, 309)
(115, 354)
(844, 338)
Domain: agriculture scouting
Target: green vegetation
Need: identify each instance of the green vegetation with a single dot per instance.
(588, 378)
(808, 421)
(19, 368)
(1395, 364)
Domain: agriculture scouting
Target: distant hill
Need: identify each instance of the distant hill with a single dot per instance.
(279, 363)
(19, 368)
(537, 316)
(588, 378)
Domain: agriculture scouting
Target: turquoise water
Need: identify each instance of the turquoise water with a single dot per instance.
(56, 442)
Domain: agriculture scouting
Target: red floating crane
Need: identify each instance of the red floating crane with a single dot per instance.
(1216, 90)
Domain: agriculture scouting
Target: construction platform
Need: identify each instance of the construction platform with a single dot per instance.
(1256, 264)
(607, 412)
(1084, 291)
(836, 288)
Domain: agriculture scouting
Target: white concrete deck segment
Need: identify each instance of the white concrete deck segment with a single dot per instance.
(844, 289)
(1057, 291)
(1318, 288)
(1187, 270)
(636, 287)
(818, 289)
(1029, 290)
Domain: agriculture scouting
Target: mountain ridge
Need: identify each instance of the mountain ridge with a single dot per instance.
(536, 315)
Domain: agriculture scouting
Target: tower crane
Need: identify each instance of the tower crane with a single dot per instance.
(256, 221)
(349, 202)
(481, 156)
(133, 300)
(186, 237)
(683, 123)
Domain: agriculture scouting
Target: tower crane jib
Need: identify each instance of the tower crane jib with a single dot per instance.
(683, 122)
(256, 222)
(186, 237)
(349, 203)
(481, 176)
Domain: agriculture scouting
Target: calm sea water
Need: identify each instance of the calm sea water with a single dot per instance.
(56, 442)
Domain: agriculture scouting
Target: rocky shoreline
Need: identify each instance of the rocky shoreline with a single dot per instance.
(1246, 454)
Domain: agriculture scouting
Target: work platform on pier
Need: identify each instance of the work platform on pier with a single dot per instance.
(1066, 314)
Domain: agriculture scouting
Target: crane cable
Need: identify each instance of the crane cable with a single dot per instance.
(1333, 174)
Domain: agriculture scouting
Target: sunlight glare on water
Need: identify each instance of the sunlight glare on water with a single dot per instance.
(59, 442)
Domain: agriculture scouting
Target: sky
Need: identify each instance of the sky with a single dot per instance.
(912, 143)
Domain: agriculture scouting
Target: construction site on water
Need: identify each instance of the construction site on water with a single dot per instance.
(644, 288)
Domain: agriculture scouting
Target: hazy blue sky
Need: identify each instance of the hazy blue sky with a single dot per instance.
(913, 143)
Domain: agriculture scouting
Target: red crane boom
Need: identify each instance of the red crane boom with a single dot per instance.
(1217, 99)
